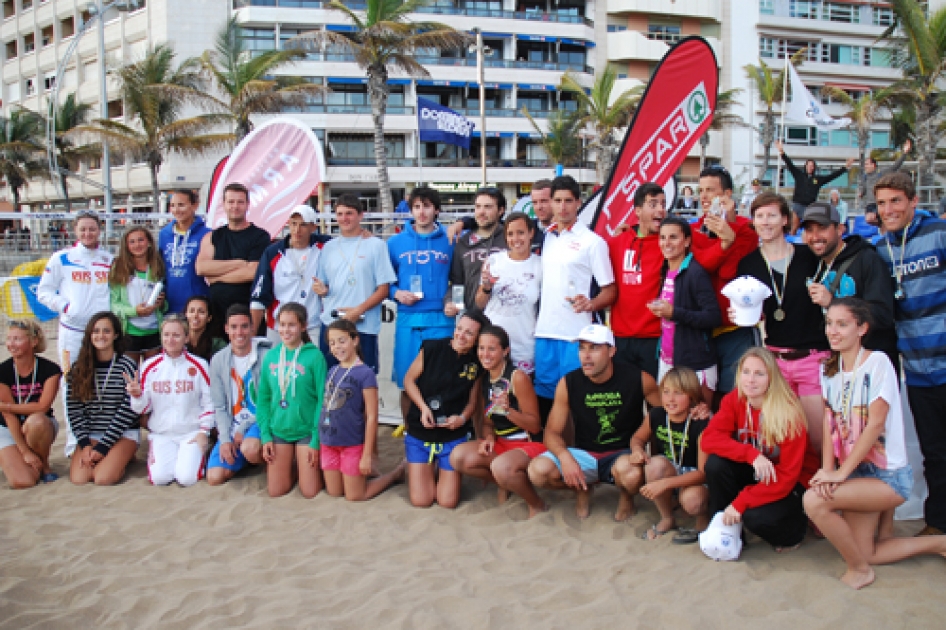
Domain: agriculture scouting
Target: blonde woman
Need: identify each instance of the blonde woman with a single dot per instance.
(755, 449)
(28, 387)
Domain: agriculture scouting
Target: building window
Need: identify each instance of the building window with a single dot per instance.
(259, 38)
(360, 147)
(47, 35)
(49, 82)
(30, 87)
(767, 7)
(29, 43)
(116, 109)
(617, 28)
(669, 33)
(26, 4)
(11, 50)
(67, 27)
(881, 16)
(9, 8)
(766, 47)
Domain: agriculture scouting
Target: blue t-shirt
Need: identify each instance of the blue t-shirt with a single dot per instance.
(353, 268)
(343, 414)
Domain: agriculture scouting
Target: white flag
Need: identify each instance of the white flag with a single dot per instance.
(804, 108)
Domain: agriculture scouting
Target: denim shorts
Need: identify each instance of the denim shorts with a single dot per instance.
(901, 479)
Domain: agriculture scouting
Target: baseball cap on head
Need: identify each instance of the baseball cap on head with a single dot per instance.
(597, 334)
(306, 212)
(822, 214)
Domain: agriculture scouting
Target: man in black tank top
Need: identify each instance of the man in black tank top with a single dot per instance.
(605, 402)
(229, 256)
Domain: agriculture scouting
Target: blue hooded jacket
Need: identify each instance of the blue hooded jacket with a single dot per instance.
(425, 255)
(181, 279)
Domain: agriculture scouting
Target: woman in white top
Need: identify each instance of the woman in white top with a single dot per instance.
(865, 474)
(510, 287)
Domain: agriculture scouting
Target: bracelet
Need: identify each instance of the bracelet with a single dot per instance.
(486, 291)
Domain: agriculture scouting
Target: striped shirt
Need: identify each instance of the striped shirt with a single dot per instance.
(109, 412)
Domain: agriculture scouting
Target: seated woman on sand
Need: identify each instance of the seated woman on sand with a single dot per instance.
(511, 413)
(28, 387)
(865, 474)
(756, 446)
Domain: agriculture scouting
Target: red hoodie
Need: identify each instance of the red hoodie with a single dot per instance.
(722, 264)
(729, 436)
(636, 262)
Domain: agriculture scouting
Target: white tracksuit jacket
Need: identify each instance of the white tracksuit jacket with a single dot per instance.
(76, 278)
(176, 391)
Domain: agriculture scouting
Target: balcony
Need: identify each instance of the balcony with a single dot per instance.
(702, 9)
(632, 45)
(464, 62)
(462, 162)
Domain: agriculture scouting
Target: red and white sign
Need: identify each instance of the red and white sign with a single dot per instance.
(281, 163)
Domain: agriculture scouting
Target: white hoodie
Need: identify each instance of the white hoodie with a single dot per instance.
(75, 284)
(176, 391)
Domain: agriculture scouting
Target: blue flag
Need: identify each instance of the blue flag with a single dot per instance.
(436, 123)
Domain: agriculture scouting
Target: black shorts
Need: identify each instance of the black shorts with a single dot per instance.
(639, 352)
(142, 343)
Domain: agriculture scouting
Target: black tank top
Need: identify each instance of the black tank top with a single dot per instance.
(445, 383)
(607, 414)
(502, 425)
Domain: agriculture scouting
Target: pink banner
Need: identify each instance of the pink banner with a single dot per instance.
(281, 163)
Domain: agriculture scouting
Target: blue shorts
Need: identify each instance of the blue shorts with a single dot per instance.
(901, 479)
(554, 358)
(239, 462)
(369, 349)
(410, 330)
(419, 452)
(596, 469)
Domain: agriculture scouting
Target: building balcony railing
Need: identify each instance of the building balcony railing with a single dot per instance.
(463, 162)
(321, 108)
(465, 62)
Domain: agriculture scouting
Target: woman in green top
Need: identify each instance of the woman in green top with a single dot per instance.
(136, 271)
(289, 404)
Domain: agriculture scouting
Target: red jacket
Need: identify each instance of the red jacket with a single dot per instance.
(729, 436)
(636, 262)
(722, 264)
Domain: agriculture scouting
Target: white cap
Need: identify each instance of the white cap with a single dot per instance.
(746, 295)
(306, 212)
(596, 333)
(721, 542)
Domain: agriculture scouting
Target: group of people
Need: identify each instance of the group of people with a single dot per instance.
(508, 371)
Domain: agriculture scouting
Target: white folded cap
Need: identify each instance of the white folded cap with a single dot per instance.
(721, 542)
(746, 295)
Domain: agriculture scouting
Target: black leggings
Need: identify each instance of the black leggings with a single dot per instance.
(781, 523)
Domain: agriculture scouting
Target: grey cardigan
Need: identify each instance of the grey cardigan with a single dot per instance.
(221, 390)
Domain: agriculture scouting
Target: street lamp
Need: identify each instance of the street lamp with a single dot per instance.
(479, 78)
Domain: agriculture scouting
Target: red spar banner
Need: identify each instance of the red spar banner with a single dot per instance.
(675, 111)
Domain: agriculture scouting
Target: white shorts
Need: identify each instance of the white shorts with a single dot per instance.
(708, 377)
(175, 458)
(6, 438)
(131, 434)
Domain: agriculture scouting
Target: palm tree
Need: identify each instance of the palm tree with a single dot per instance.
(246, 81)
(723, 117)
(863, 113)
(561, 141)
(385, 39)
(69, 154)
(919, 49)
(769, 85)
(154, 93)
(22, 150)
(604, 114)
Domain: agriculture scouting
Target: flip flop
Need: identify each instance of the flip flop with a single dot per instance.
(48, 477)
(686, 536)
(656, 532)
(787, 549)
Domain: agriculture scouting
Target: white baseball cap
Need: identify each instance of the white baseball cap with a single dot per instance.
(306, 212)
(746, 295)
(596, 333)
(721, 542)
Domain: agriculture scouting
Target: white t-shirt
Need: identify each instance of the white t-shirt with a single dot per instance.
(512, 304)
(574, 256)
(848, 397)
(353, 268)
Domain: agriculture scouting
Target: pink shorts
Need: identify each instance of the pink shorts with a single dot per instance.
(803, 375)
(347, 459)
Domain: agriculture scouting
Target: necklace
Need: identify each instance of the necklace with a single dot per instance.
(337, 386)
(899, 294)
(16, 373)
(751, 430)
(819, 275)
(284, 374)
(683, 442)
(779, 293)
(108, 377)
(179, 248)
(351, 262)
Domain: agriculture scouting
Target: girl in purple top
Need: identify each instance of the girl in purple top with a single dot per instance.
(348, 428)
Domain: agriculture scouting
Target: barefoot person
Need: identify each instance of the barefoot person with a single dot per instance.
(292, 382)
(105, 425)
(28, 387)
(174, 387)
(606, 403)
(511, 414)
(677, 463)
(234, 387)
(756, 447)
(865, 474)
(348, 428)
(441, 384)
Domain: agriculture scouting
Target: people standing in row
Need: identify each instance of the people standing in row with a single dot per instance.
(136, 272)
(808, 183)
(179, 244)
(475, 246)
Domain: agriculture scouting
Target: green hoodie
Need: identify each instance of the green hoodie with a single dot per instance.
(304, 395)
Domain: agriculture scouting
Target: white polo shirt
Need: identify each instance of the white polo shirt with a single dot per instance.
(575, 255)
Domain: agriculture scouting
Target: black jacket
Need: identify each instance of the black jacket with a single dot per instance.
(807, 187)
(696, 313)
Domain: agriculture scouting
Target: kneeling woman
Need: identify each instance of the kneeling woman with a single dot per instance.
(28, 386)
(100, 413)
(865, 473)
(756, 447)
(175, 389)
(511, 413)
(289, 404)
